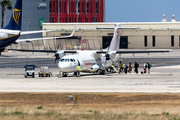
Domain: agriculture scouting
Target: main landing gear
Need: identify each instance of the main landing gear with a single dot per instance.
(1, 50)
(64, 74)
(102, 72)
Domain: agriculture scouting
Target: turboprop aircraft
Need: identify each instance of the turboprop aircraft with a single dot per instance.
(90, 61)
(11, 32)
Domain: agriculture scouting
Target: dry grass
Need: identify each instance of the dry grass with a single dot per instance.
(110, 106)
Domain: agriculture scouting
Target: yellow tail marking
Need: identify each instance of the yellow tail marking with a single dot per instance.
(16, 15)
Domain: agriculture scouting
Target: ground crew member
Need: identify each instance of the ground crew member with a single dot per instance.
(78, 70)
(111, 69)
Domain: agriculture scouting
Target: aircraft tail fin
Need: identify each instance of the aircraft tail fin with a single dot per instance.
(16, 18)
(114, 46)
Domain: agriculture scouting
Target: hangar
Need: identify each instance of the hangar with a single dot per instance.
(149, 35)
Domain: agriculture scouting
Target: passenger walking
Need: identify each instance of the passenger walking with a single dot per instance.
(125, 68)
(136, 65)
(149, 67)
(145, 67)
(130, 68)
(120, 68)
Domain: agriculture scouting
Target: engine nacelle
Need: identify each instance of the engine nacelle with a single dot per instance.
(94, 68)
(61, 54)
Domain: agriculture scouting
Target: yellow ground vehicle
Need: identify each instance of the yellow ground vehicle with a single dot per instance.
(44, 72)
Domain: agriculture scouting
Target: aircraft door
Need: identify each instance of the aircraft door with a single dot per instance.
(80, 62)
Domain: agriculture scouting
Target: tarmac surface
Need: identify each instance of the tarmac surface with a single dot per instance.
(164, 76)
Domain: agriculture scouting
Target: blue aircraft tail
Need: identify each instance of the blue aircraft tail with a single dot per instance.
(16, 18)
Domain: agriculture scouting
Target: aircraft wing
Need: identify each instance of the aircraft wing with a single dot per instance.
(46, 51)
(33, 32)
(140, 51)
(22, 32)
(46, 38)
(133, 51)
(9, 31)
(118, 28)
(31, 50)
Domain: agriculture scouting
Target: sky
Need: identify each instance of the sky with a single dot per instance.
(141, 10)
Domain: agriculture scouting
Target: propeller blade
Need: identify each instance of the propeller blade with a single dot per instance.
(55, 61)
(58, 47)
(56, 57)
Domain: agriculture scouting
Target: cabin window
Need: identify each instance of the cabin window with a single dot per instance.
(72, 60)
(66, 60)
(62, 60)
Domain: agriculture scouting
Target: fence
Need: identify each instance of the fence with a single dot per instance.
(58, 44)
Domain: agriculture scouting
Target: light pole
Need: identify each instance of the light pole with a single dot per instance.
(27, 27)
(27, 30)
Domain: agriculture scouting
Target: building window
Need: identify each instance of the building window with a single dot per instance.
(87, 8)
(153, 41)
(172, 41)
(97, 8)
(145, 41)
(50, 6)
(78, 7)
(179, 40)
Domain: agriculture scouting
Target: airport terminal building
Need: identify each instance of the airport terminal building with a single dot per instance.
(148, 35)
(91, 32)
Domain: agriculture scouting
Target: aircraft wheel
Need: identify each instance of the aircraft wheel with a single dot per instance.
(103, 72)
(75, 73)
(64, 74)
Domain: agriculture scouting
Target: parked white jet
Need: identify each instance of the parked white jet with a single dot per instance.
(91, 61)
(94, 61)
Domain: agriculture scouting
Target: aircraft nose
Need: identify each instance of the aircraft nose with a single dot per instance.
(65, 67)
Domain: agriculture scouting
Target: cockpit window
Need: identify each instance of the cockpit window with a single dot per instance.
(72, 60)
(62, 60)
(66, 60)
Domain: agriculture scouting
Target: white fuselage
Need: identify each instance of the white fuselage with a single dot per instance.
(89, 61)
(3, 35)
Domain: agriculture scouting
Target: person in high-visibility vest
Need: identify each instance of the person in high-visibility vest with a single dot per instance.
(78, 70)
(111, 68)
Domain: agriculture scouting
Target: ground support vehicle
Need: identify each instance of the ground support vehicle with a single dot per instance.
(44, 72)
(29, 71)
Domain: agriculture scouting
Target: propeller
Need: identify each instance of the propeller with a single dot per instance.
(56, 57)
